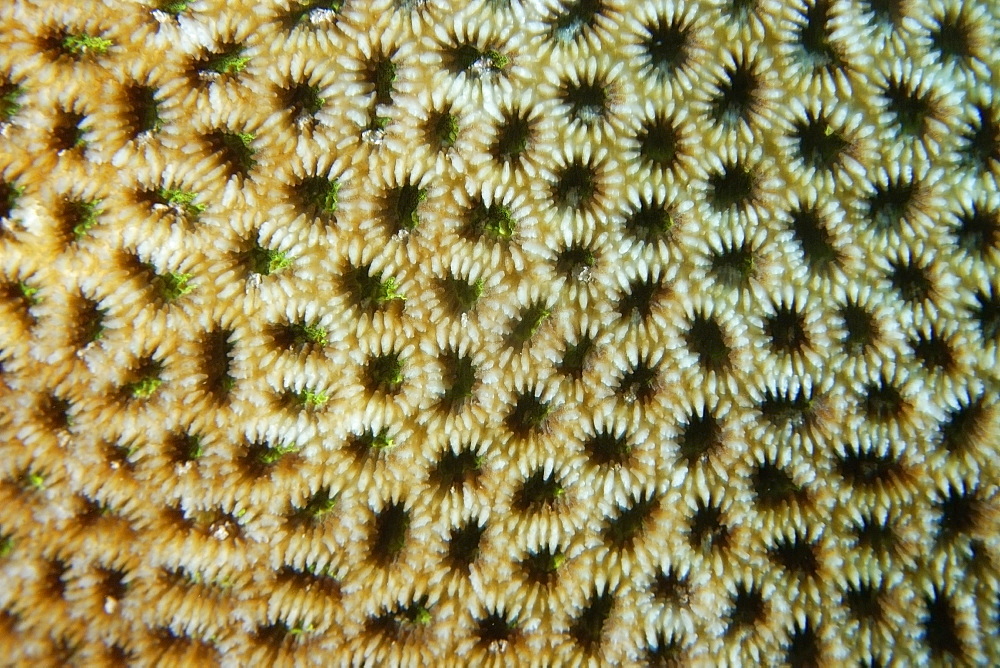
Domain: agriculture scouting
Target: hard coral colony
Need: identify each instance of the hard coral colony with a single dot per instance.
(506, 331)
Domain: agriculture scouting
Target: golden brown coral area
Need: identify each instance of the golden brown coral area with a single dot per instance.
(545, 331)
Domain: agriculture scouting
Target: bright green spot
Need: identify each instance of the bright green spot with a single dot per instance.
(311, 398)
(9, 104)
(320, 193)
(299, 630)
(388, 291)
(79, 45)
(468, 57)
(318, 510)
(84, 215)
(174, 285)
(124, 452)
(370, 289)
(265, 261)
(181, 199)
(228, 62)
(35, 481)
(545, 563)
(320, 571)
(29, 294)
(497, 220)
(143, 389)
(195, 448)
(320, 505)
(408, 199)
(531, 319)
(379, 441)
(421, 616)
(394, 374)
(446, 130)
(173, 7)
(240, 513)
(495, 59)
(271, 454)
(470, 294)
(302, 333)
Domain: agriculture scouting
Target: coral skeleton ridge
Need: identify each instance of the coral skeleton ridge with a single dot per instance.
(500, 332)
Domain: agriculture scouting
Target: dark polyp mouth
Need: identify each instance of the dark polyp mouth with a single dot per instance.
(575, 186)
(658, 142)
(734, 266)
(820, 145)
(699, 436)
(513, 137)
(588, 102)
(706, 339)
(911, 281)
(668, 44)
(649, 222)
(786, 328)
(814, 36)
(733, 187)
(302, 99)
(737, 93)
(577, 15)
(912, 108)
(811, 233)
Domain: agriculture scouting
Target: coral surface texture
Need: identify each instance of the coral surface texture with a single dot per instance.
(499, 332)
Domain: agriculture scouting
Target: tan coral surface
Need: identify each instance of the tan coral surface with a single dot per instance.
(510, 331)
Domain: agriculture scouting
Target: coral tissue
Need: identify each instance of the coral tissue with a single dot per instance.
(555, 332)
